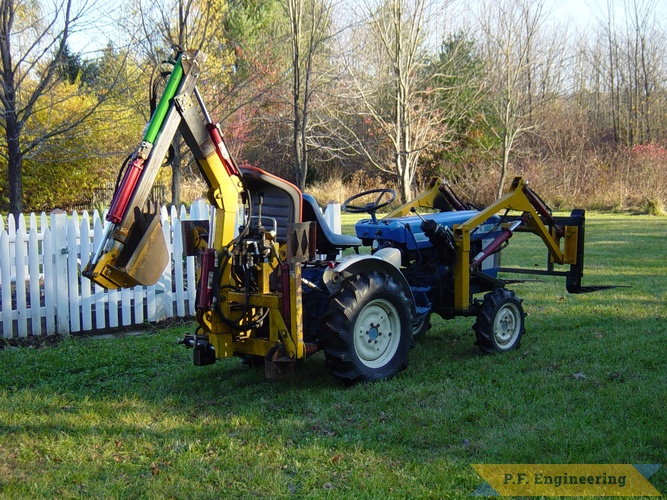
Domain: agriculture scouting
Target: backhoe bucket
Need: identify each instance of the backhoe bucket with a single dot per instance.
(142, 259)
(146, 261)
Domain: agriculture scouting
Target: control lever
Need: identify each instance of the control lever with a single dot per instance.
(441, 237)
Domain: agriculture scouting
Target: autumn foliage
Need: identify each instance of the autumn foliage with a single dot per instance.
(586, 125)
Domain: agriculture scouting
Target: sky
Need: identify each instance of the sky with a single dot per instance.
(92, 35)
(581, 14)
(585, 13)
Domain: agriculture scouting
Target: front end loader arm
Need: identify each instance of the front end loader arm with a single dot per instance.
(563, 237)
(438, 195)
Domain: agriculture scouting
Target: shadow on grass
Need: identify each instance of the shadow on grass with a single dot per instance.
(581, 389)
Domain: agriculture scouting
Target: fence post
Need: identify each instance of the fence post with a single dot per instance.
(11, 225)
(59, 235)
(20, 269)
(164, 306)
(198, 209)
(332, 216)
(72, 255)
(126, 306)
(84, 252)
(190, 270)
(49, 299)
(34, 276)
(5, 279)
(100, 297)
(43, 223)
(178, 265)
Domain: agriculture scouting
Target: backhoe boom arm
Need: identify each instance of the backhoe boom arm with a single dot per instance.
(133, 250)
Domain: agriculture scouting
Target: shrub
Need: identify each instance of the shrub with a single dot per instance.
(647, 172)
(654, 206)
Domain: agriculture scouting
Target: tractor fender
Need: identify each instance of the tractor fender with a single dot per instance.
(386, 261)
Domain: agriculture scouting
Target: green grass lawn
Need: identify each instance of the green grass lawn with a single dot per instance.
(131, 417)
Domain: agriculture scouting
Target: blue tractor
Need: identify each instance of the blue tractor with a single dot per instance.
(433, 255)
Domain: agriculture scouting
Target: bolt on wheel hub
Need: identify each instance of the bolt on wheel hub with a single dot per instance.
(507, 324)
(374, 341)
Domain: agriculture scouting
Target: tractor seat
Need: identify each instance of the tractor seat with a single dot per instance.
(328, 242)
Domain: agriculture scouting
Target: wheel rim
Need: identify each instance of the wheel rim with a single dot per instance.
(377, 333)
(507, 325)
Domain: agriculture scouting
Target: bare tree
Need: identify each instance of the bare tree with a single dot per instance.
(405, 96)
(522, 68)
(625, 70)
(33, 40)
(310, 33)
(636, 68)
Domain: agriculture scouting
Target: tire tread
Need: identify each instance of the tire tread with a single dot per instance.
(337, 321)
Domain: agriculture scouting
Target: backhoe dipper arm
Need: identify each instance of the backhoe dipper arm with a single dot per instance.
(133, 250)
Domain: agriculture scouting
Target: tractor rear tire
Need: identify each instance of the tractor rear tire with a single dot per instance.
(500, 321)
(367, 329)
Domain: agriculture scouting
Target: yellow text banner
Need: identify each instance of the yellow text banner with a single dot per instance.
(566, 480)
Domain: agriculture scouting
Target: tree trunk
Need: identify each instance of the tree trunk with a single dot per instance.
(295, 11)
(14, 156)
(14, 169)
(12, 124)
(300, 174)
(507, 147)
(406, 181)
(303, 159)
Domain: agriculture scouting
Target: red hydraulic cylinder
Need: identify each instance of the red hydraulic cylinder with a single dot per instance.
(492, 247)
(125, 191)
(542, 209)
(206, 279)
(221, 149)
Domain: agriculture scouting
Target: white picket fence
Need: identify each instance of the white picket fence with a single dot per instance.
(42, 291)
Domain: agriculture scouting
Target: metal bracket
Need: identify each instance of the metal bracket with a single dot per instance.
(301, 241)
(278, 364)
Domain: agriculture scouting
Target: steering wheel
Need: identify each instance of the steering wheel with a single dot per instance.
(372, 206)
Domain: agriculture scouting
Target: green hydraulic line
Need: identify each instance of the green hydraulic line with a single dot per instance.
(163, 106)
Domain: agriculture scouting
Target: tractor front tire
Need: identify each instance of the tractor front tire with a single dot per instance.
(367, 327)
(500, 321)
